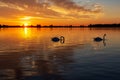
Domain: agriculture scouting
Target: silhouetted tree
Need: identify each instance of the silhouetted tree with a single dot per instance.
(38, 26)
(104, 25)
(82, 26)
(51, 25)
(70, 26)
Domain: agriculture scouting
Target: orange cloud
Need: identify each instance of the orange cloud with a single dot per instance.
(51, 8)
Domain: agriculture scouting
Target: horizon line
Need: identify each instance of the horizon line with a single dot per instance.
(63, 25)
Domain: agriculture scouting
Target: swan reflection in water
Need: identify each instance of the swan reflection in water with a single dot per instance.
(60, 39)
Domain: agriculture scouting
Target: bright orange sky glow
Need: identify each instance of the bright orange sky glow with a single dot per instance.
(56, 12)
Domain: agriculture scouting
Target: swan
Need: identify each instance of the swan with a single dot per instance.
(56, 39)
(98, 39)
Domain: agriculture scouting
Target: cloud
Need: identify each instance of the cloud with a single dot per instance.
(49, 8)
(10, 5)
(69, 8)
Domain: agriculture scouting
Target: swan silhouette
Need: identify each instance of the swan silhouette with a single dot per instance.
(98, 39)
(56, 39)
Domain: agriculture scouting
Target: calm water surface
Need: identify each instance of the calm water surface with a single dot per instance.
(29, 54)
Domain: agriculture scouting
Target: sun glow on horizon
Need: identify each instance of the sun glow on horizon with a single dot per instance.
(25, 21)
(26, 18)
(26, 24)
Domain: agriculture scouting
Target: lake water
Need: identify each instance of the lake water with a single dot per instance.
(30, 54)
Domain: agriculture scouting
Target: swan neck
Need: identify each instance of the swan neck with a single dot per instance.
(104, 37)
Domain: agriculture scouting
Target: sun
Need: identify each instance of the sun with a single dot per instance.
(26, 24)
(26, 21)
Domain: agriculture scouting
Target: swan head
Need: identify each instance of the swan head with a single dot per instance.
(104, 34)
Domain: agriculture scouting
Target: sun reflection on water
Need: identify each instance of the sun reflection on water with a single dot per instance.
(26, 32)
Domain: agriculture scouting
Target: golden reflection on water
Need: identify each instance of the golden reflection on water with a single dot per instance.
(26, 30)
(27, 37)
(26, 52)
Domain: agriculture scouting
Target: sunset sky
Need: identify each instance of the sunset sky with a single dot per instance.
(59, 12)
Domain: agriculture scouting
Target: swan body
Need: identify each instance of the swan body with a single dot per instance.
(56, 39)
(98, 39)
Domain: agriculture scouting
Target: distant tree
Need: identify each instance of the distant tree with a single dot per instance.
(31, 25)
(82, 26)
(104, 25)
(38, 25)
(70, 26)
(4, 25)
(51, 25)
